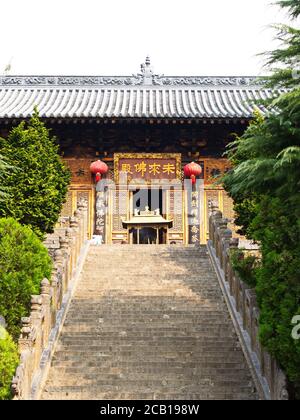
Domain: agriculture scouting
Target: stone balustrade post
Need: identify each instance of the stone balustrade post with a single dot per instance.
(26, 336)
(36, 309)
(267, 367)
(243, 287)
(213, 209)
(59, 258)
(74, 224)
(46, 303)
(61, 267)
(77, 215)
(22, 380)
(221, 227)
(233, 245)
(36, 317)
(86, 221)
(72, 247)
(20, 386)
(255, 345)
(250, 303)
(83, 208)
(82, 227)
(225, 241)
(17, 383)
(65, 248)
(59, 274)
(280, 385)
(216, 217)
(54, 296)
(236, 289)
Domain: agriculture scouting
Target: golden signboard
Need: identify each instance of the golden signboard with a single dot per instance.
(148, 167)
(214, 169)
(80, 170)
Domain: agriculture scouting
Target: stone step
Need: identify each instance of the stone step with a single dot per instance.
(185, 331)
(182, 345)
(162, 384)
(107, 359)
(115, 393)
(147, 396)
(166, 322)
(96, 322)
(151, 336)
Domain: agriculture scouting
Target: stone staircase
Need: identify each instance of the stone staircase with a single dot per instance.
(148, 322)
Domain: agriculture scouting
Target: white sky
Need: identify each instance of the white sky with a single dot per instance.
(113, 37)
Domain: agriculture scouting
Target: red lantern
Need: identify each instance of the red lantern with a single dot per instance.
(98, 169)
(192, 170)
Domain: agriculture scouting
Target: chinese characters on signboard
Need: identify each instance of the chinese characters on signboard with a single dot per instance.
(100, 214)
(214, 169)
(194, 217)
(147, 167)
(80, 170)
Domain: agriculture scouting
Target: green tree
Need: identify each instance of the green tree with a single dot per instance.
(38, 185)
(245, 200)
(264, 184)
(9, 360)
(285, 60)
(24, 262)
(292, 5)
(3, 172)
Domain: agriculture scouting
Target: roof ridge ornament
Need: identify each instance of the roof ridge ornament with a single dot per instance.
(147, 72)
(147, 76)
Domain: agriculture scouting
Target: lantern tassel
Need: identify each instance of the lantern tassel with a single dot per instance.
(98, 176)
(193, 179)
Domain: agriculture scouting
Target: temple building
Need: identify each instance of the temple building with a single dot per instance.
(145, 126)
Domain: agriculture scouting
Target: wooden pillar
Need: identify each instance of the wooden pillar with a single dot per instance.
(138, 235)
(157, 236)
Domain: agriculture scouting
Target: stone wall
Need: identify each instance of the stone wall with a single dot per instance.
(242, 303)
(40, 328)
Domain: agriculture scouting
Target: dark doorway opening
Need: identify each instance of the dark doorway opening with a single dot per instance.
(148, 198)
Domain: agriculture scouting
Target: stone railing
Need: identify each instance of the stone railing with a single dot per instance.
(40, 329)
(241, 299)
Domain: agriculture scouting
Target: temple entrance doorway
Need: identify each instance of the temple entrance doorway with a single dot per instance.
(149, 236)
(147, 224)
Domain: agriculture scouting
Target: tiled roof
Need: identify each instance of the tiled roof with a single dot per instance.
(145, 95)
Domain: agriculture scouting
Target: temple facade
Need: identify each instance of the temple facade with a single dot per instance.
(146, 128)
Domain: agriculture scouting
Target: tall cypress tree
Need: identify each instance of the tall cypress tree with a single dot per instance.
(3, 172)
(38, 183)
(265, 184)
